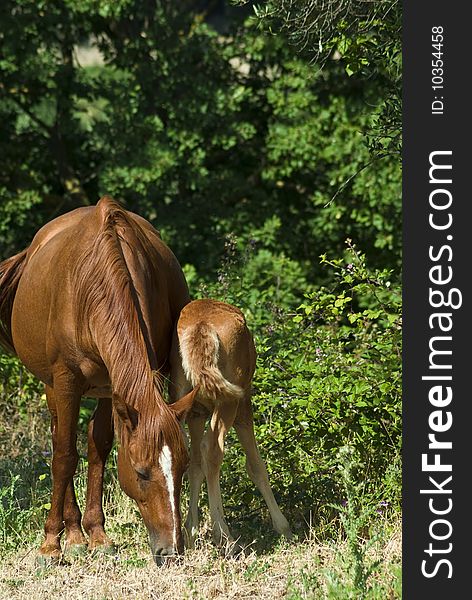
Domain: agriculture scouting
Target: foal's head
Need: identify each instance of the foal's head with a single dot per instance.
(152, 459)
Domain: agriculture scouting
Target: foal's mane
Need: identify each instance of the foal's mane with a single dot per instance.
(109, 317)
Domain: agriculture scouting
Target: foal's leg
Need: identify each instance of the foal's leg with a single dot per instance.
(196, 426)
(100, 441)
(63, 402)
(212, 455)
(244, 425)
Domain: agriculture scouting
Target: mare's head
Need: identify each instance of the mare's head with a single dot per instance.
(152, 459)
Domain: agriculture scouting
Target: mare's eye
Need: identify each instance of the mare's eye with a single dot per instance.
(143, 474)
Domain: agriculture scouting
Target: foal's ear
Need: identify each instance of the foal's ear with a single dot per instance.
(184, 404)
(127, 414)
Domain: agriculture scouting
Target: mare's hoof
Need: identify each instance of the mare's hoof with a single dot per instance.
(105, 549)
(46, 561)
(76, 550)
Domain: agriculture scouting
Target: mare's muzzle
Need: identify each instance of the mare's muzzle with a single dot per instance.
(165, 553)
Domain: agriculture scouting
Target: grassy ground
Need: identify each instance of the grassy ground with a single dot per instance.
(296, 571)
(334, 563)
(299, 570)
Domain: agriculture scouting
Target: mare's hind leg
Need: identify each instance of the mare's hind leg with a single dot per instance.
(244, 425)
(63, 402)
(212, 454)
(100, 441)
(196, 426)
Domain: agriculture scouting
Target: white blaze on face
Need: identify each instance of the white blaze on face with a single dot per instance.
(165, 462)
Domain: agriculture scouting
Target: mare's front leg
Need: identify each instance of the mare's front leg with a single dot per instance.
(100, 441)
(63, 401)
(75, 539)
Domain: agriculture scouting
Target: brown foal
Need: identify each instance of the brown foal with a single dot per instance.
(213, 352)
(89, 309)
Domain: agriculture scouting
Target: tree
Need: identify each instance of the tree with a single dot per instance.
(364, 34)
(202, 133)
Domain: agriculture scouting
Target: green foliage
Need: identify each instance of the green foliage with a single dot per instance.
(364, 35)
(23, 504)
(356, 573)
(9, 513)
(17, 386)
(202, 134)
(355, 513)
(328, 374)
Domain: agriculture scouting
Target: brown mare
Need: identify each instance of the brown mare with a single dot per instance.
(89, 309)
(213, 351)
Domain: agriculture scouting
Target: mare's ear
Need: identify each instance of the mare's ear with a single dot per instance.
(184, 404)
(126, 413)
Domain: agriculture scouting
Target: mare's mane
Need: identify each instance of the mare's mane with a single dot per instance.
(109, 317)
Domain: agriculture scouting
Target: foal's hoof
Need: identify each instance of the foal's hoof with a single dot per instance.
(288, 536)
(232, 549)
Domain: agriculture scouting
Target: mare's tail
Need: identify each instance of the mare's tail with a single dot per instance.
(11, 270)
(199, 349)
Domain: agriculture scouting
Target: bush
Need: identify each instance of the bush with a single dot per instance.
(328, 374)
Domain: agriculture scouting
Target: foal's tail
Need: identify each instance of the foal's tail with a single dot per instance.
(199, 349)
(10, 273)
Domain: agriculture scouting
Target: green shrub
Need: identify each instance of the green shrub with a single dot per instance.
(328, 374)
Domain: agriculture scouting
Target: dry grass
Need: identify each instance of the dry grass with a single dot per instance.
(313, 568)
(202, 575)
(294, 571)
